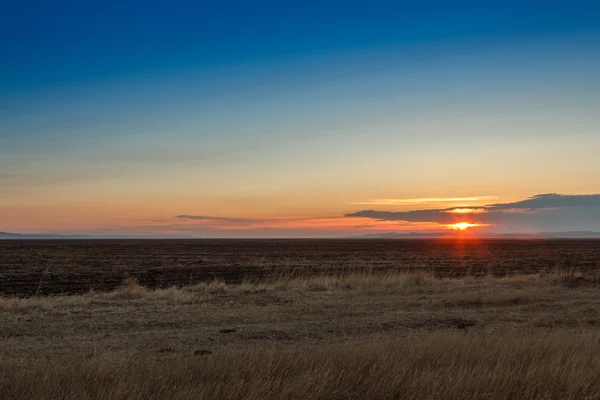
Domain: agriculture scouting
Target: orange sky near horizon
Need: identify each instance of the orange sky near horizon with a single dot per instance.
(159, 217)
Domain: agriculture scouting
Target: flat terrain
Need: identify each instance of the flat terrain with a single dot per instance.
(215, 315)
(39, 267)
(352, 319)
(359, 336)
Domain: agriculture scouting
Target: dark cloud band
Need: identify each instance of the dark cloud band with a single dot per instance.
(543, 211)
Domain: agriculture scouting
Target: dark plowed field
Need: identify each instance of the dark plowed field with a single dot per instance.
(38, 267)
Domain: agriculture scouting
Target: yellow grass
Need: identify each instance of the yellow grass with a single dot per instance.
(358, 336)
(432, 366)
(130, 289)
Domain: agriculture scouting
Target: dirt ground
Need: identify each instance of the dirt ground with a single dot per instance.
(41, 267)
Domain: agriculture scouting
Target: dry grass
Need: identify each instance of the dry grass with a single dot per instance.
(433, 366)
(130, 289)
(393, 335)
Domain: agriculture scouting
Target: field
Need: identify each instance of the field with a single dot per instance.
(300, 319)
(41, 267)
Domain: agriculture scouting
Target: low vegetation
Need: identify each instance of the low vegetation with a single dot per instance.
(392, 335)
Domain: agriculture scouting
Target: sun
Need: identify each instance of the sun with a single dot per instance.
(461, 226)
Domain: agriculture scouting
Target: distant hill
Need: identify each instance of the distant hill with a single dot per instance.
(9, 235)
(572, 234)
(451, 234)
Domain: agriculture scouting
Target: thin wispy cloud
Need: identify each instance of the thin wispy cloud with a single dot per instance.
(340, 225)
(466, 210)
(401, 202)
(218, 219)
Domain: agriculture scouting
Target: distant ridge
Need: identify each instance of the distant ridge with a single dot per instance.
(448, 234)
(9, 235)
(573, 234)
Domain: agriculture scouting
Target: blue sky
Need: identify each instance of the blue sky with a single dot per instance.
(122, 113)
(65, 44)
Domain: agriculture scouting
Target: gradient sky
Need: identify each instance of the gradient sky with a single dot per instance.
(235, 119)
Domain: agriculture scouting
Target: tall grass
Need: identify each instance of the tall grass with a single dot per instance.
(447, 365)
(542, 360)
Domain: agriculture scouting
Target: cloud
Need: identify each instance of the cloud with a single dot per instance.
(423, 200)
(550, 200)
(240, 221)
(439, 216)
(222, 226)
(542, 212)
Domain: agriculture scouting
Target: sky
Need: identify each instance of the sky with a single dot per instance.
(299, 119)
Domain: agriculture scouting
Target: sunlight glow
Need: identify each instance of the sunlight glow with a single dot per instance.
(461, 226)
(466, 210)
